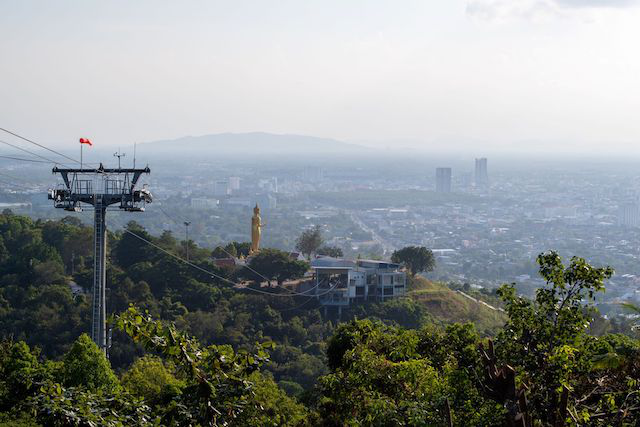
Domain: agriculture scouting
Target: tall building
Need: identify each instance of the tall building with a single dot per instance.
(629, 215)
(482, 176)
(443, 180)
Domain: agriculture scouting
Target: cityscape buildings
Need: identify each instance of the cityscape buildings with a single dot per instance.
(234, 183)
(221, 188)
(482, 175)
(485, 239)
(629, 214)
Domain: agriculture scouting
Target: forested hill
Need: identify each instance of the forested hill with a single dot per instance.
(40, 260)
(197, 350)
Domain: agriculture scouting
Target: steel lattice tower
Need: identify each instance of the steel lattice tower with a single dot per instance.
(111, 186)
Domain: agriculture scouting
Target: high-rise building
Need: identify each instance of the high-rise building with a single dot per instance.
(482, 176)
(629, 215)
(443, 180)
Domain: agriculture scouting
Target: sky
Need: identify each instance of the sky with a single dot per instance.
(461, 75)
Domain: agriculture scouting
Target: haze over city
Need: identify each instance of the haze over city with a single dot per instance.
(478, 75)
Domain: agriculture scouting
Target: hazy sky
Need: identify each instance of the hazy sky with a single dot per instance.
(475, 74)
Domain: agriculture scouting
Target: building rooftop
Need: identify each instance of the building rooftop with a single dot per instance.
(329, 262)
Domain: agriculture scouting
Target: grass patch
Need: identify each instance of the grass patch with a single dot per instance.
(449, 306)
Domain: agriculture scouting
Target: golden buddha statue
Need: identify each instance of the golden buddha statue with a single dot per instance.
(256, 230)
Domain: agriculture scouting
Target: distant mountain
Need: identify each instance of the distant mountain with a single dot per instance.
(254, 143)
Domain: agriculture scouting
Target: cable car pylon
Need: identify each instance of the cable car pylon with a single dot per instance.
(101, 188)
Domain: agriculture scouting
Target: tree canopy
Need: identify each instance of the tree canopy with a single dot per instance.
(86, 365)
(273, 264)
(310, 241)
(418, 259)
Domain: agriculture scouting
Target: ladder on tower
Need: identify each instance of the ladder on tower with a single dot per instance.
(98, 333)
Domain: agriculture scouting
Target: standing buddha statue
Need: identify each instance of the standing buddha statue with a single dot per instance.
(256, 230)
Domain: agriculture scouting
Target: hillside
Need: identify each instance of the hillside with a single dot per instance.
(450, 306)
(40, 308)
(184, 340)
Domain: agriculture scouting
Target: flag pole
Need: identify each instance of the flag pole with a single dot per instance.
(81, 144)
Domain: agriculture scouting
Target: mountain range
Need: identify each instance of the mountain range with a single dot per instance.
(254, 143)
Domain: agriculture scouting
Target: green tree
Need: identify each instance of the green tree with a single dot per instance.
(382, 375)
(309, 241)
(241, 248)
(130, 249)
(85, 365)
(405, 312)
(20, 373)
(544, 338)
(417, 259)
(168, 241)
(151, 379)
(274, 264)
(219, 387)
(34, 398)
(273, 407)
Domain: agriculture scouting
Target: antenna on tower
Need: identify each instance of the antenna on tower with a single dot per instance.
(118, 154)
(134, 155)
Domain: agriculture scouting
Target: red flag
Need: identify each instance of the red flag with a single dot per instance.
(85, 141)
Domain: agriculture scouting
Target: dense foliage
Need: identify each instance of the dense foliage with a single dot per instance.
(203, 386)
(191, 348)
(273, 265)
(46, 274)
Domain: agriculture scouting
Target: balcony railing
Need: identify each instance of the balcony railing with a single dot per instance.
(83, 186)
